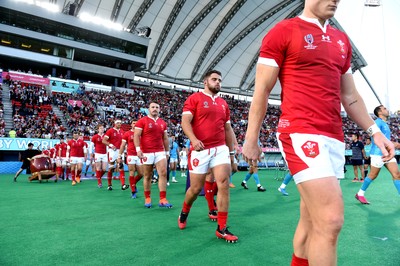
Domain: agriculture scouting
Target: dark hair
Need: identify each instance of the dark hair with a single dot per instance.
(30, 144)
(356, 134)
(377, 109)
(210, 72)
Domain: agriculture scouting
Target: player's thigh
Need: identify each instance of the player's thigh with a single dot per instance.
(393, 169)
(197, 181)
(161, 167)
(147, 170)
(221, 172)
(324, 205)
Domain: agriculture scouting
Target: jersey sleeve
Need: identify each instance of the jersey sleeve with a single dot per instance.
(190, 105)
(361, 145)
(274, 45)
(228, 114)
(347, 65)
(140, 124)
(125, 137)
(108, 133)
(165, 125)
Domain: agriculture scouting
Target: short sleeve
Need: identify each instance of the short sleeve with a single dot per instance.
(274, 43)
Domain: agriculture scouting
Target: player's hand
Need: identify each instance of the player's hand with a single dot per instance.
(251, 151)
(385, 145)
(111, 146)
(198, 145)
(140, 154)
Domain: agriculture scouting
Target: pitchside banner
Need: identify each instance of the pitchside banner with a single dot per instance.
(26, 78)
(20, 144)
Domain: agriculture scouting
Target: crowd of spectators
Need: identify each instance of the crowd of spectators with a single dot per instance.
(84, 111)
(33, 115)
(2, 122)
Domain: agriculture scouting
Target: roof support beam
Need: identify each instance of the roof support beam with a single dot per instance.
(279, 7)
(254, 60)
(186, 33)
(116, 10)
(165, 31)
(139, 15)
(225, 21)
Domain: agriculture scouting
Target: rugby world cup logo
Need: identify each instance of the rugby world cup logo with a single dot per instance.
(310, 149)
(309, 40)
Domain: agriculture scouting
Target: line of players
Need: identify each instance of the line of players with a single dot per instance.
(107, 149)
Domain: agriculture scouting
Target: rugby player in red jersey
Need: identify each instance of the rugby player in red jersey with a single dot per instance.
(100, 154)
(76, 154)
(113, 139)
(132, 159)
(152, 147)
(210, 149)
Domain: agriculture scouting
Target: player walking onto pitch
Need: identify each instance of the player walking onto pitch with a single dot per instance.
(208, 149)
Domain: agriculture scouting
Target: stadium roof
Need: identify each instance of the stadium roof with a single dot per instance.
(189, 37)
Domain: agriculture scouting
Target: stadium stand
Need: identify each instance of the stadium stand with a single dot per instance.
(34, 117)
(2, 122)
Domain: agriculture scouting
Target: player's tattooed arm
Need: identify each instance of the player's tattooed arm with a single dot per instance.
(353, 102)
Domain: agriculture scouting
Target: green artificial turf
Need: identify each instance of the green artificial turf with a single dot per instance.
(57, 224)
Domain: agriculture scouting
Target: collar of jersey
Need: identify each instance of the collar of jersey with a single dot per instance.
(316, 22)
(209, 95)
(155, 120)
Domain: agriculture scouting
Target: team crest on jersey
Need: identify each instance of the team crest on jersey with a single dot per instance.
(342, 48)
(310, 149)
(309, 40)
(196, 162)
(205, 104)
(150, 125)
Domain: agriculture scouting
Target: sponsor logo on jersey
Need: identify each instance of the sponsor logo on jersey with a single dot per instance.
(326, 38)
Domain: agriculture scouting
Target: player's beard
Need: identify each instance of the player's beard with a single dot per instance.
(214, 89)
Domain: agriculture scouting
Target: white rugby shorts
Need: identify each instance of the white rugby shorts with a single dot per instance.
(311, 156)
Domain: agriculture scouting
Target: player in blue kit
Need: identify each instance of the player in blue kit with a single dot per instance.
(376, 157)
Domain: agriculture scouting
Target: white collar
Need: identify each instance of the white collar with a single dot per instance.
(211, 96)
(316, 22)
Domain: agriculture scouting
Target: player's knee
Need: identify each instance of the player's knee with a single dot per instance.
(330, 225)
